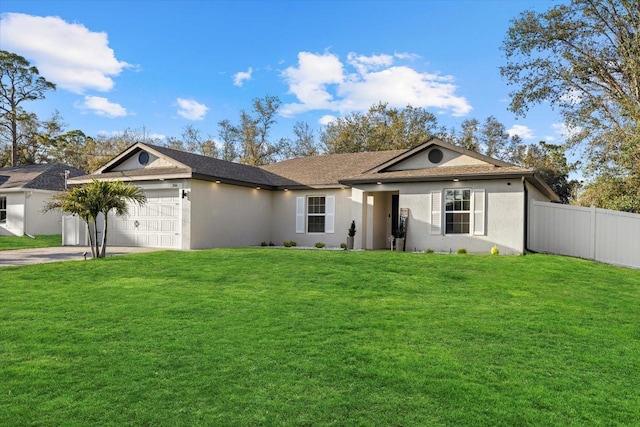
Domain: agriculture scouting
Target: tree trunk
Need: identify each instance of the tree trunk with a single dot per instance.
(91, 239)
(103, 247)
(95, 242)
(14, 140)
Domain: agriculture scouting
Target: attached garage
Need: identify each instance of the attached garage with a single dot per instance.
(156, 224)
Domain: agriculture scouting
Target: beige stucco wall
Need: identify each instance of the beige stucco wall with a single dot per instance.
(24, 214)
(504, 215)
(228, 215)
(283, 225)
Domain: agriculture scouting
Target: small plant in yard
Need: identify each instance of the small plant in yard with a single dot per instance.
(289, 243)
(264, 244)
(320, 245)
(351, 233)
(462, 251)
(343, 245)
(271, 243)
(352, 229)
(495, 250)
(429, 251)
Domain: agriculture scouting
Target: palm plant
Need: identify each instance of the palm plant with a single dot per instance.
(93, 198)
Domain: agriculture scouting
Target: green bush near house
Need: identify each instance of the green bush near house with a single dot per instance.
(254, 337)
(320, 245)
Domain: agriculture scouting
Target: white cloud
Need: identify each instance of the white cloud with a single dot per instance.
(240, 77)
(364, 64)
(191, 109)
(406, 55)
(308, 82)
(326, 119)
(69, 55)
(522, 131)
(101, 106)
(321, 81)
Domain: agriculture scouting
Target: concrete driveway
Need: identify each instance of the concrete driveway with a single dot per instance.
(59, 253)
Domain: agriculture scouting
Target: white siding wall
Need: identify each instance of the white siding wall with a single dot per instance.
(598, 234)
(39, 223)
(24, 215)
(15, 215)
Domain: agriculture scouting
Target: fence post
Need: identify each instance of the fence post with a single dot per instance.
(592, 240)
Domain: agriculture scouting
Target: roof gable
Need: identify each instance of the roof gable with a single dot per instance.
(436, 154)
(132, 159)
(163, 162)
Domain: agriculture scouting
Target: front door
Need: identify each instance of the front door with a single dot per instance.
(395, 213)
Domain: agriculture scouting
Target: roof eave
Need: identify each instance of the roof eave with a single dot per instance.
(229, 181)
(124, 176)
(459, 177)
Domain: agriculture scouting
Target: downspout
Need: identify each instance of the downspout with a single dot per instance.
(24, 215)
(525, 240)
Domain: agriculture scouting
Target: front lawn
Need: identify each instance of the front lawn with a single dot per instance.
(26, 242)
(247, 337)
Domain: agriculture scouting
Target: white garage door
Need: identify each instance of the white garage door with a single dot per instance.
(156, 224)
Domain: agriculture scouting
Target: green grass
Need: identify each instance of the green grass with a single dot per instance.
(26, 242)
(247, 337)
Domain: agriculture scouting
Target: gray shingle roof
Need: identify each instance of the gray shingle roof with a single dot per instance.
(329, 169)
(194, 166)
(216, 168)
(36, 177)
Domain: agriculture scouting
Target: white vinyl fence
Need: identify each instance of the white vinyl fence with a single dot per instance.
(598, 234)
(74, 231)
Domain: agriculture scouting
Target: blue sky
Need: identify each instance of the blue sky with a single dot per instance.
(162, 65)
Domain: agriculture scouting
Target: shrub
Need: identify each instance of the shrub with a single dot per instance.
(320, 245)
(462, 251)
(271, 243)
(352, 229)
(289, 243)
(495, 250)
(264, 244)
(343, 245)
(429, 251)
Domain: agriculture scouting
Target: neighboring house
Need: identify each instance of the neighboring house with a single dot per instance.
(451, 197)
(23, 192)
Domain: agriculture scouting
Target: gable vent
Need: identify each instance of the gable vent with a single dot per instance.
(435, 155)
(143, 158)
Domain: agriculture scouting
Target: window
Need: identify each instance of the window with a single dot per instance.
(315, 214)
(3, 209)
(457, 211)
(316, 209)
